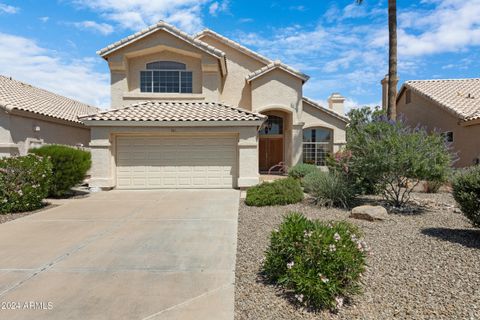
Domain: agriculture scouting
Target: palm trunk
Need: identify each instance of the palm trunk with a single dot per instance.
(392, 60)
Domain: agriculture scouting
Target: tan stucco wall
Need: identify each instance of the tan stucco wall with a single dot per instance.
(21, 133)
(126, 64)
(103, 150)
(277, 88)
(235, 90)
(423, 112)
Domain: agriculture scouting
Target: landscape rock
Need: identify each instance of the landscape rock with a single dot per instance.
(369, 213)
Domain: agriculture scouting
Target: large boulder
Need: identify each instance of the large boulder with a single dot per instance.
(369, 213)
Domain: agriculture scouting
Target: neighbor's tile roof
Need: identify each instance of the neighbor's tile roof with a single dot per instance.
(326, 110)
(274, 65)
(176, 111)
(162, 25)
(16, 95)
(458, 96)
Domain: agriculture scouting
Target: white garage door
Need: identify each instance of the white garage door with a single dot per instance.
(176, 162)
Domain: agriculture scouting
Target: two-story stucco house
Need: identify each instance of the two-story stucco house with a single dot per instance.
(203, 112)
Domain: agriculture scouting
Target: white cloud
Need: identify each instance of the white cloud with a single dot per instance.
(136, 14)
(44, 68)
(218, 7)
(103, 28)
(44, 19)
(5, 8)
(451, 26)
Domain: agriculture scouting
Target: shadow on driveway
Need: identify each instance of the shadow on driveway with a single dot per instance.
(466, 237)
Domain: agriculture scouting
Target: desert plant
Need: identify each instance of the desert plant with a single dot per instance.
(24, 183)
(70, 165)
(330, 189)
(301, 170)
(432, 186)
(279, 192)
(389, 154)
(321, 262)
(466, 191)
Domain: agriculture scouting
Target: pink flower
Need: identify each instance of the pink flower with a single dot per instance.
(290, 265)
(324, 279)
(299, 297)
(332, 248)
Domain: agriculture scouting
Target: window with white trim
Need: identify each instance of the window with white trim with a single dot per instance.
(317, 145)
(166, 76)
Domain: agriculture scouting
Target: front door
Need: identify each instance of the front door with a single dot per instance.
(271, 152)
(271, 143)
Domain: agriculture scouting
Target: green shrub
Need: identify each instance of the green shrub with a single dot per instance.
(320, 262)
(279, 192)
(24, 183)
(466, 191)
(330, 189)
(388, 154)
(301, 170)
(70, 166)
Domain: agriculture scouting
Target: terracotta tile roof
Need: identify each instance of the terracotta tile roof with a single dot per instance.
(164, 111)
(326, 110)
(274, 65)
(16, 95)
(162, 25)
(233, 44)
(460, 97)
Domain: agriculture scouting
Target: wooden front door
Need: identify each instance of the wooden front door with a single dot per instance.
(270, 153)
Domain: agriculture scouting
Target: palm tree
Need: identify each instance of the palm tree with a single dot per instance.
(392, 59)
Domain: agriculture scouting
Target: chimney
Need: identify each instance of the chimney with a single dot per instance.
(384, 83)
(336, 103)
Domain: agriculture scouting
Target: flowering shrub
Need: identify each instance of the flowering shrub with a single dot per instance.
(330, 189)
(24, 183)
(301, 170)
(70, 166)
(279, 192)
(466, 191)
(320, 262)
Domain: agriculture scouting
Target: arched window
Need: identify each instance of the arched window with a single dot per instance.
(273, 125)
(317, 145)
(166, 76)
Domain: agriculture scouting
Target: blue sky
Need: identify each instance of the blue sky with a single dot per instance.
(342, 46)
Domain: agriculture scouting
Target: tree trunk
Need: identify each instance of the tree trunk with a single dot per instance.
(392, 60)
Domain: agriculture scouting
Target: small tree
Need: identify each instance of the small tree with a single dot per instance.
(394, 157)
(466, 191)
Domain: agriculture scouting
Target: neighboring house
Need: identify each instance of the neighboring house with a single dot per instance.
(191, 112)
(31, 117)
(451, 107)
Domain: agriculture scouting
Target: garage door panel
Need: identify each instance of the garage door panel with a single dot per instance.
(174, 162)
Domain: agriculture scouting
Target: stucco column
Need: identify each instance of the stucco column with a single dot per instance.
(248, 174)
(297, 141)
(101, 150)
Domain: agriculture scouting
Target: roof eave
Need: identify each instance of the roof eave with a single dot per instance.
(212, 123)
(302, 77)
(328, 111)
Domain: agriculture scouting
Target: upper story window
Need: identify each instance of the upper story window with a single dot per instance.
(166, 76)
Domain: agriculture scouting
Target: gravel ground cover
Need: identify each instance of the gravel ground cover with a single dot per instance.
(423, 266)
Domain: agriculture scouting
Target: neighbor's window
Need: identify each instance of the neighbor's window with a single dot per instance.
(166, 76)
(317, 145)
(448, 136)
(408, 96)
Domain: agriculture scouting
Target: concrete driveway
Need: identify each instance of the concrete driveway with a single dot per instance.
(123, 255)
